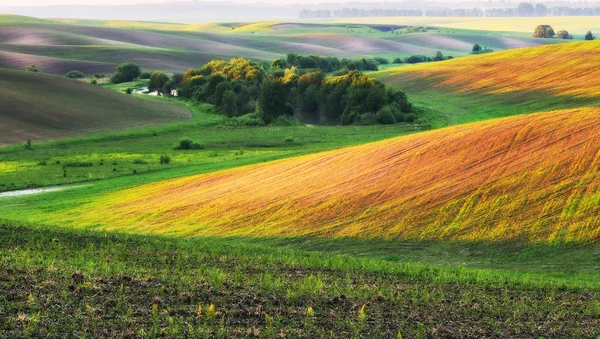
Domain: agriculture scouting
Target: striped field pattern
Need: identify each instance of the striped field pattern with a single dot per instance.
(569, 69)
(529, 178)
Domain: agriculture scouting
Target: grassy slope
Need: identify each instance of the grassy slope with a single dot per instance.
(502, 83)
(529, 178)
(64, 108)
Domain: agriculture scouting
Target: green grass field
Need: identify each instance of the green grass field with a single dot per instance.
(66, 279)
(114, 285)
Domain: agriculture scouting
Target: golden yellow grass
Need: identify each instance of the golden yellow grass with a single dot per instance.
(578, 25)
(569, 69)
(531, 178)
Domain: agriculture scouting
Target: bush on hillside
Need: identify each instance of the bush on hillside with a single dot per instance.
(543, 31)
(32, 68)
(165, 159)
(126, 72)
(563, 35)
(75, 75)
(589, 36)
(187, 144)
(385, 116)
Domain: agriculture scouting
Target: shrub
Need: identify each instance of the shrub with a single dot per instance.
(251, 120)
(385, 116)
(129, 91)
(99, 75)
(28, 144)
(165, 159)
(289, 139)
(410, 117)
(140, 162)
(94, 82)
(42, 163)
(145, 75)
(397, 61)
(543, 31)
(32, 68)
(187, 144)
(589, 36)
(563, 35)
(75, 75)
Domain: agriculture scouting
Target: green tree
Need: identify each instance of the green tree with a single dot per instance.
(563, 35)
(126, 72)
(229, 104)
(477, 48)
(157, 81)
(272, 101)
(279, 63)
(168, 87)
(220, 91)
(438, 56)
(543, 31)
(32, 68)
(589, 36)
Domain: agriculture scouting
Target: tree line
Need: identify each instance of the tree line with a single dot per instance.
(257, 95)
(524, 9)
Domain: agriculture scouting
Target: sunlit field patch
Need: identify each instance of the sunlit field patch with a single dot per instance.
(526, 178)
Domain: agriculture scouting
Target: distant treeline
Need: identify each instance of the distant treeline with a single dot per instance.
(524, 9)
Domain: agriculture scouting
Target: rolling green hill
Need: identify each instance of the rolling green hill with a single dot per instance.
(40, 107)
(98, 46)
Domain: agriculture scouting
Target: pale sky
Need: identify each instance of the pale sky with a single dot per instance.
(24, 3)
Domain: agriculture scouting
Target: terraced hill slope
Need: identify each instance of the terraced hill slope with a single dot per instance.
(39, 107)
(530, 178)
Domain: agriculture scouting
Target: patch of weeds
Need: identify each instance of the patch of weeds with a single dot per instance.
(78, 164)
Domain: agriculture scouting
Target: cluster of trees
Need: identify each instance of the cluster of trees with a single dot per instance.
(416, 59)
(524, 9)
(233, 86)
(454, 12)
(327, 64)
(478, 49)
(547, 32)
(243, 88)
(126, 72)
